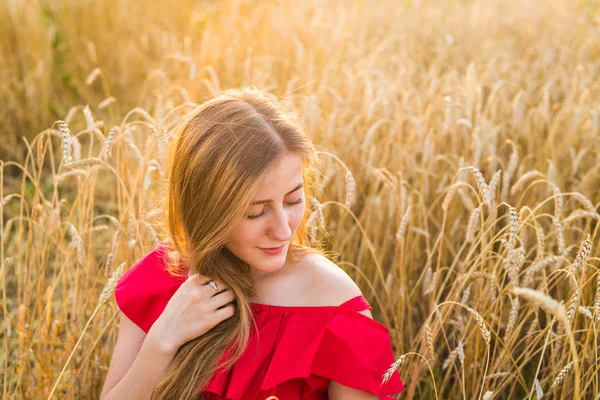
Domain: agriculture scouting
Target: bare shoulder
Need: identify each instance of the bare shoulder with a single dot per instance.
(325, 283)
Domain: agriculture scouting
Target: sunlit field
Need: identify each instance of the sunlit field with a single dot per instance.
(459, 185)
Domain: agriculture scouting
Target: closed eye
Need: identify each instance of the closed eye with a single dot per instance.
(299, 201)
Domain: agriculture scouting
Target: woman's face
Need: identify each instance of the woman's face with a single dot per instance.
(272, 220)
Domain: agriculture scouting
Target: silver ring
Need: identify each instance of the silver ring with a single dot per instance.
(213, 284)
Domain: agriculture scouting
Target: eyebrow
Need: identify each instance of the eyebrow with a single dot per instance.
(269, 200)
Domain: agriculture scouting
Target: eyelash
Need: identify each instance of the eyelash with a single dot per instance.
(299, 201)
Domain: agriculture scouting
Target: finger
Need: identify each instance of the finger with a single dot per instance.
(222, 298)
(225, 312)
(220, 286)
(200, 279)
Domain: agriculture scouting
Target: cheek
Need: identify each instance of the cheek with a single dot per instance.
(296, 217)
(252, 232)
(246, 235)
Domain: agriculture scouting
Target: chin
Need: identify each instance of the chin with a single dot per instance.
(272, 266)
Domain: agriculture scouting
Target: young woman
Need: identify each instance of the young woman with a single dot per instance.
(236, 305)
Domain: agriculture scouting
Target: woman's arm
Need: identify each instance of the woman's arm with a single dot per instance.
(135, 369)
(337, 391)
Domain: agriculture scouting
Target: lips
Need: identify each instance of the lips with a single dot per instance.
(272, 248)
(273, 251)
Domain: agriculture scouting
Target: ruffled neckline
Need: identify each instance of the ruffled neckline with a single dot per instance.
(325, 343)
(349, 308)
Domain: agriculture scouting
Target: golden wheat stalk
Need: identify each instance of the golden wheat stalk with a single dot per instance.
(546, 302)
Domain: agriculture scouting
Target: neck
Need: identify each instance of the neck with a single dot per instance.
(268, 284)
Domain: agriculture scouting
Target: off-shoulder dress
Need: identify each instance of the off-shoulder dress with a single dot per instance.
(296, 352)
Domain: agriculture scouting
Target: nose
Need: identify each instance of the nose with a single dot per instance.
(280, 227)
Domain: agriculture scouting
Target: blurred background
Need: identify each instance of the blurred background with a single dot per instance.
(459, 188)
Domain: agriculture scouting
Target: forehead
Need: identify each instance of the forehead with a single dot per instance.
(282, 176)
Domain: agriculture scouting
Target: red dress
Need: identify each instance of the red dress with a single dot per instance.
(298, 348)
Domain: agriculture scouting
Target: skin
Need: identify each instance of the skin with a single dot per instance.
(313, 281)
(272, 223)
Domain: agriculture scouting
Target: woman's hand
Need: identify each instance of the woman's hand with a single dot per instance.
(191, 312)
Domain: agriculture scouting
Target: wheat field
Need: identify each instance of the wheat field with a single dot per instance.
(460, 183)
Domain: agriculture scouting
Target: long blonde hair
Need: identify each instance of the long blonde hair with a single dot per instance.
(217, 156)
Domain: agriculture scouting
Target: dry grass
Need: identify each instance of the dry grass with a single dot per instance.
(461, 174)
